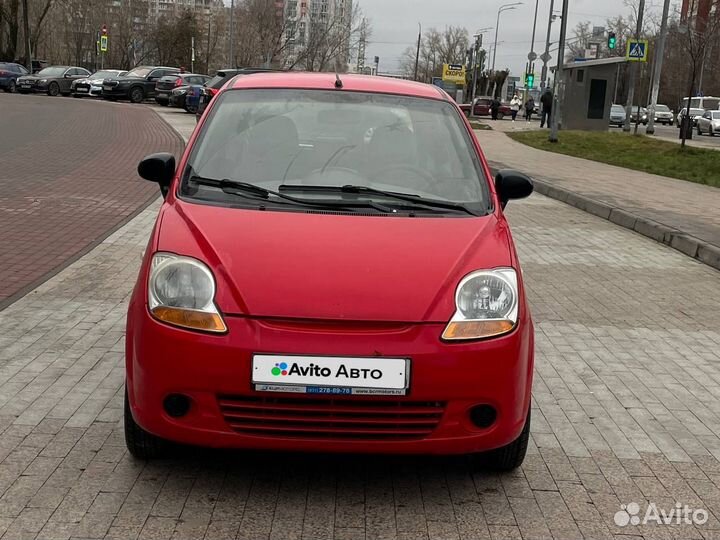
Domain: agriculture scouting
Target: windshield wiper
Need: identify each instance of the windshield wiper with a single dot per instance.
(247, 189)
(415, 200)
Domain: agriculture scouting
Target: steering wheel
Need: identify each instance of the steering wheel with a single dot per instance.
(430, 182)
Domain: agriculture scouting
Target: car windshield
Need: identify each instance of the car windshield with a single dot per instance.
(716, 115)
(139, 72)
(329, 138)
(662, 108)
(52, 72)
(617, 109)
(104, 74)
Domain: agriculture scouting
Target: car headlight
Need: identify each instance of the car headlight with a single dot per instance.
(181, 292)
(486, 303)
(42, 81)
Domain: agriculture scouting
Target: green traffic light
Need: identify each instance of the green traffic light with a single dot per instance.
(612, 40)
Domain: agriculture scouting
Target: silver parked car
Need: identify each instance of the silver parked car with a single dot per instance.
(709, 123)
(92, 85)
(663, 115)
(617, 115)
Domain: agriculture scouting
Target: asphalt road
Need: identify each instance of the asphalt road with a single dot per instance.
(67, 178)
(626, 410)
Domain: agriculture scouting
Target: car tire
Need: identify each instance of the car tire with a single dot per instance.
(137, 95)
(699, 131)
(508, 457)
(711, 132)
(12, 87)
(140, 443)
(53, 89)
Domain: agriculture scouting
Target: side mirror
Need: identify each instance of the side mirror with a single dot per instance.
(512, 185)
(158, 168)
(67, 76)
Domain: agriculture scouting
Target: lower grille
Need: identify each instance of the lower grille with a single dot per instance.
(331, 418)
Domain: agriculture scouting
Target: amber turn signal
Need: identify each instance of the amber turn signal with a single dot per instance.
(192, 319)
(477, 329)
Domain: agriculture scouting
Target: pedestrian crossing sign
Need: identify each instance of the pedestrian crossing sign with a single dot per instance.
(637, 50)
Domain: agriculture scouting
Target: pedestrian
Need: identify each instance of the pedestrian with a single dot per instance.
(494, 108)
(515, 104)
(529, 108)
(547, 102)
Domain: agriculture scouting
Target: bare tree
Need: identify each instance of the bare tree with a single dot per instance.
(9, 29)
(330, 39)
(697, 40)
(436, 48)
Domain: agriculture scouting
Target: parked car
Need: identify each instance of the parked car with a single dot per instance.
(186, 97)
(136, 85)
(167, 84)
(482, 108)
(37, 65)
(663, 115)
(9, 73)
(709, 123)
(643, 118)
(617, 115)
(214, 85)
(92, 85)
(413, 337)
(694, 115)
(52, 80)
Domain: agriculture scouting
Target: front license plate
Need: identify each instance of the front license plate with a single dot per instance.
(331, 375)
(82, 90)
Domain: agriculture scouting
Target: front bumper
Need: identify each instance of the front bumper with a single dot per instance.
(115, 91)
(215, 370)
(88, 90)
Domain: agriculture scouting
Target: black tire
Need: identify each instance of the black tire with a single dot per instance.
(140, 443)
(711, 133)
(508, 457)
(53, 89)
(137, 95)
(699, 132)
(12, 87)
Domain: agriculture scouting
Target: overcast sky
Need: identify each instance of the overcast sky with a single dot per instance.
(394, 24)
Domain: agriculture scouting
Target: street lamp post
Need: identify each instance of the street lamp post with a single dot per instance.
(555, 111)
(504, 7)
(545, 57)
(232, 12)
(417, 54)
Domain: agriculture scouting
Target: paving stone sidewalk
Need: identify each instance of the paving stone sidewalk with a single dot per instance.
(678, 213)
(626, 409)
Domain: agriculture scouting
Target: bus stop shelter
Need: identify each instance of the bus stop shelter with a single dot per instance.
(588, 90)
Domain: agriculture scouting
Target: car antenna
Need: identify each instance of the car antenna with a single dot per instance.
(338, 80)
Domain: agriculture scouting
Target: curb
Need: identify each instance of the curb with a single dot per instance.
(685, 243)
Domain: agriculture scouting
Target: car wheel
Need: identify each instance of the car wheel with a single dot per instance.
(12, 87)
(711, 132)
(140, 443)
(508, 457)
(699, 132)
(137, 95)
(53, 89)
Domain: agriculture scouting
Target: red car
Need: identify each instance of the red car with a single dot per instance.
(331, 270)
(482, 108)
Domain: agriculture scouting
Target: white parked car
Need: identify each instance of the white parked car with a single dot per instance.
(709, 123)
(92, 85)
(694, 115)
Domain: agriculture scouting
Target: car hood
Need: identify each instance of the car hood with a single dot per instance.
(341, 267)
(33, 77)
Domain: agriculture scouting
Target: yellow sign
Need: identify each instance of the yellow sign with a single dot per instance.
(454, 73)
(103, 43)
(637, 50)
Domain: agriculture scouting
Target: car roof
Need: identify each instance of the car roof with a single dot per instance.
(327, 81)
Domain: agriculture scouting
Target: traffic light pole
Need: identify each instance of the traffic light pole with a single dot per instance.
(659, 54)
